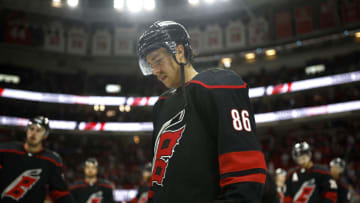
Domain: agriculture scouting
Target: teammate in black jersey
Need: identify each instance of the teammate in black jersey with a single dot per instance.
(28, 171)
(280, 177)
(205, 143)
(337, 167)
(92, 189)
(309, 183)
(142, 192)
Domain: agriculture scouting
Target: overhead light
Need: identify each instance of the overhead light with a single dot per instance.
(121, 108)
(127, 108)
(96, 107)
(357, 35)
(250, 56)
(209, 1)
(136, 139)
(194, 2)
(56, 3)
(270, 52)
(102, 107)
(112, 88)
(315, 69)
(73, 3)
(119, 5)
(134, 5)
(226, 62)
(149, 5)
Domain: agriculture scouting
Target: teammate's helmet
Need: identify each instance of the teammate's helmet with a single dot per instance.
(41, 121)
(338, 162)
(92, 161)
(148, 167)
(162, 34)
(280, 171)
(301, 148)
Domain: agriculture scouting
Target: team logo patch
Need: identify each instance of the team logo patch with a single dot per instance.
(305, 192)
(168, 138)
(96, 197)
(22, 184)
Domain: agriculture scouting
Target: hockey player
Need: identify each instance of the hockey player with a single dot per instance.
(142, 193)
(27, 170)
(205, 145)
(280, 177)
(337, 167)
(92, 189)
(309, 182)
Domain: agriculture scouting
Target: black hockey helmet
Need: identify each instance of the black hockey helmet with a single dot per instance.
(162, 34)
(92, 161)
(41, 121)
(301, 148)
(338, 162)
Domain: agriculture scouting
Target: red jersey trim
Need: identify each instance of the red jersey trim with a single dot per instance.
(51, 160)
(1, 91)
(105, 185)
(163, 97)
(331, 196)
(77, 186)
(320, 171)
(218, 86)
(12, 151)
(240, 161)
(258, 178)
(56, 194)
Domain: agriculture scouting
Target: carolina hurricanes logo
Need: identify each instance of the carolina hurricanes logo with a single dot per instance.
(165, 144)
(95, 197)
(305, 192)
(22, 184)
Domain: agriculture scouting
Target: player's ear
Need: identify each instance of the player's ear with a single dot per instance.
(180, 53)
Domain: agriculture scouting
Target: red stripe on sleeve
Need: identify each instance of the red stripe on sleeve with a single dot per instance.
(105, 185)
(258, 178)
(219, 86)
(56, 194)
(331, 196)
(12, 151)
(287, 199)
(240, 161)
(320, 171)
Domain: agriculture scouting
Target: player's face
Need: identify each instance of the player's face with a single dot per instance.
(165, 68)
(90, 170)
(35, 134)
(303, 160)
(280, 180)
(335, 170)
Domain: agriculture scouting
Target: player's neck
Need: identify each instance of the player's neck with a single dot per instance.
(190, 73)
(33, 148)
(91, 180)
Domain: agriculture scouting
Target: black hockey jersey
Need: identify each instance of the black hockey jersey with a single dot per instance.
(314, 185)
(26, 177)
(343, 192)
(207, 150)
(100, 192)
